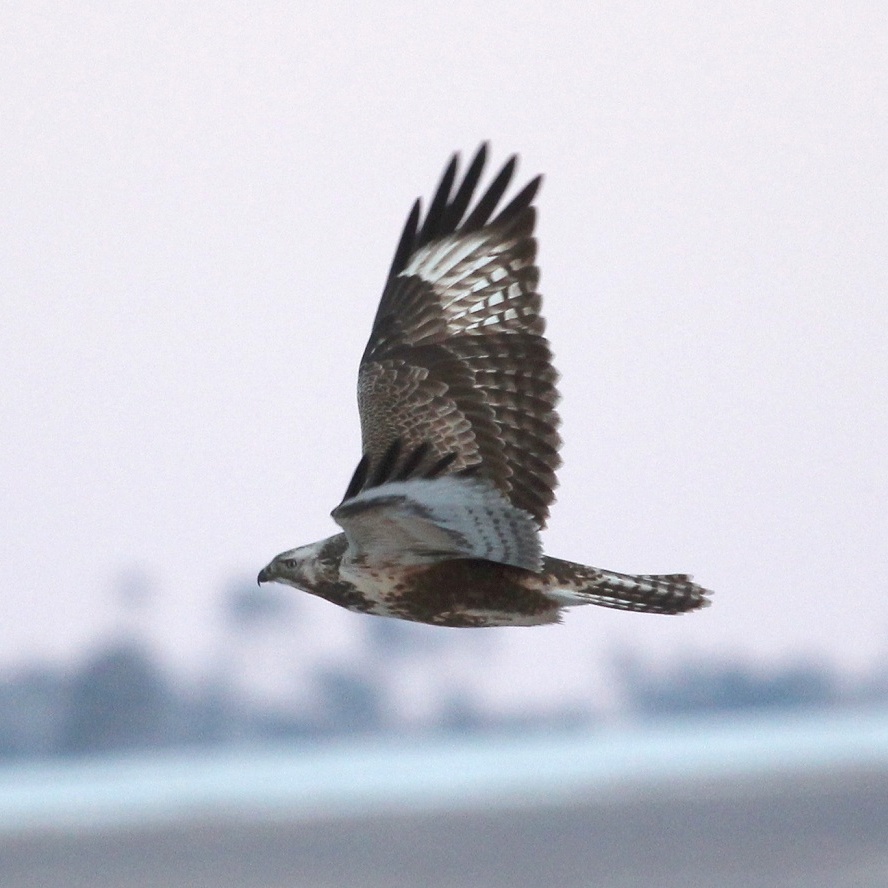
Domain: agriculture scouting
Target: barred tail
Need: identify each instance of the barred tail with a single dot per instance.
(574, 584)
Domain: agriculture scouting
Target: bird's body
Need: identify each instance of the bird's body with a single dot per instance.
(456, 392)
(479, 592)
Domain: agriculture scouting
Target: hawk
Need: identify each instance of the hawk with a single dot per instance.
(457, 393)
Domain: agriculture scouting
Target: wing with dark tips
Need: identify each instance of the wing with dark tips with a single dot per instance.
(457, 361)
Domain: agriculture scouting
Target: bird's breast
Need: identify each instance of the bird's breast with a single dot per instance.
(457, 592)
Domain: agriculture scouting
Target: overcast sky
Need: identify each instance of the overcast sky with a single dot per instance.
(200, 202)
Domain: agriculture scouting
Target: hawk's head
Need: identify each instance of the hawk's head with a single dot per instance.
(290, 567)
(306, 566)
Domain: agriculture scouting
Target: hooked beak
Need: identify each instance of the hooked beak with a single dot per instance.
(265, 575)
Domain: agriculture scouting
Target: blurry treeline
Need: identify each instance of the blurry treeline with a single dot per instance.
(122, 697)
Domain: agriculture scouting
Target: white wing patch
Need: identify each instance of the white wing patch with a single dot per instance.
(425, 520)
(438, 259)
(476, 280)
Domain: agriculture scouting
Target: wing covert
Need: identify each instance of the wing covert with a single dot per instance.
(425, 520)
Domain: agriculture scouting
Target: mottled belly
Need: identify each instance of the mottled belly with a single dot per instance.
(462, 592)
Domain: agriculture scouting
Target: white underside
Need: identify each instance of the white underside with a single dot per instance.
(422, 521)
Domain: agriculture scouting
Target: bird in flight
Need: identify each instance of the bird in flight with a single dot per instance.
(456, 392)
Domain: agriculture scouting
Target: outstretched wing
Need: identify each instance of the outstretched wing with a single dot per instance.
(457, 361)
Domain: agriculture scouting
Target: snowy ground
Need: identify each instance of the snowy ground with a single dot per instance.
(776, 801)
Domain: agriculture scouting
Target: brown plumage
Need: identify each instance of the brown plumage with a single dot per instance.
(457, 357)
(457, 395)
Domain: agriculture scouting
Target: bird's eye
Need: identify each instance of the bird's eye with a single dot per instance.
(290, 562)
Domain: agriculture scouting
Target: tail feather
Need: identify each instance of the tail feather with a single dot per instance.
(650, 593)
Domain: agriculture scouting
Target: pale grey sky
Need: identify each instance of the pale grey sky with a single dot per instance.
(200, 202)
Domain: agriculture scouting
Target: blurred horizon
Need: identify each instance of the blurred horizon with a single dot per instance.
(260, 685)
